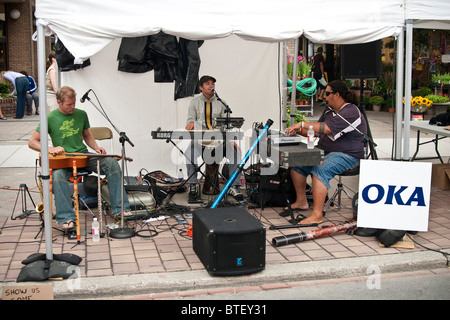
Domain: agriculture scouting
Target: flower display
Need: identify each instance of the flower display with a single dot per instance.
(419, 104)
(303, 66)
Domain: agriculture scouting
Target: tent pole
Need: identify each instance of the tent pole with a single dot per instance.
(284, 88)
(294, 82)
(408, 75)
(399, 95)
(44, 141)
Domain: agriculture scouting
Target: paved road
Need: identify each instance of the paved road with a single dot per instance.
(415, 285)
(409, 286)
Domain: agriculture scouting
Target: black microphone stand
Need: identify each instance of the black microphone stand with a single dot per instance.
(227, 109)
(372, 146)
(121, 232)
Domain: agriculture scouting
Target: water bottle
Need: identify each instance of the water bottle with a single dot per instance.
(180, 175)
(95, 231)
(243, 181)
(310, 138)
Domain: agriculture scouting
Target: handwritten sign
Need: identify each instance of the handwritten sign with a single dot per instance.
(28, 292)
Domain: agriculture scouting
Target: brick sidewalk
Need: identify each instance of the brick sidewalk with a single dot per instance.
(167, 248)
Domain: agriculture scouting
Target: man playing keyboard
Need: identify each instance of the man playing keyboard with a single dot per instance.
(203, 110)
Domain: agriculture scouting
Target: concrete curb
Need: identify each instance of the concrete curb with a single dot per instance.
(114, 286)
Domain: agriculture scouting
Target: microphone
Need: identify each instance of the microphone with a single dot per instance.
(85, 96)
(213, 90)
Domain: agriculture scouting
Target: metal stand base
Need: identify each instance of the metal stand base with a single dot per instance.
(122, 233)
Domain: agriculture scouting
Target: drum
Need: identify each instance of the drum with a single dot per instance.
(211, 185)
(211, 149)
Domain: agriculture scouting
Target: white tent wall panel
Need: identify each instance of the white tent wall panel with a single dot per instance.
(247, 79)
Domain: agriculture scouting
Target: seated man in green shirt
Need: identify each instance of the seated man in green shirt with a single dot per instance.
(68, 128)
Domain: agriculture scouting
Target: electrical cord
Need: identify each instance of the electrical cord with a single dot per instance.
(446, 254)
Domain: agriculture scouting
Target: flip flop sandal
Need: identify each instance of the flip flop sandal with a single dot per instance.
(3, 118)
(68, 225)
(286, 212)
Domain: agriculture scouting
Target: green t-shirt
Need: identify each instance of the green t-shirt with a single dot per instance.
(66, 130)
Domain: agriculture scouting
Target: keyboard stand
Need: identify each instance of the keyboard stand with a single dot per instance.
(197, 169)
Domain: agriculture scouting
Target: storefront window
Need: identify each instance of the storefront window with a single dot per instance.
(428, 48)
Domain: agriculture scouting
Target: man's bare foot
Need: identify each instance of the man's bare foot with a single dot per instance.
(313, 218)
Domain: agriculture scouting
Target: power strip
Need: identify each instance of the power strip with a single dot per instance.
(160, 218)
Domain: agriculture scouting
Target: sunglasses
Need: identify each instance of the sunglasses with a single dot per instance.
(327, 93)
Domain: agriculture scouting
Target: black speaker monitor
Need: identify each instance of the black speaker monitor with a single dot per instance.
(229, 241)
(361, 61)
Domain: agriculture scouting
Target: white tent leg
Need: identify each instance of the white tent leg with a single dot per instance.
(399, 96)
(294, 83)
(44, 141)
(408, 75)
(284, 87)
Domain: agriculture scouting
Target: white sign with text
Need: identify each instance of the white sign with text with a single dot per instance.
(394, 195)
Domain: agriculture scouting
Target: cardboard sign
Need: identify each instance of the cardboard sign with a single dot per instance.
(394, 195)
(28, 292)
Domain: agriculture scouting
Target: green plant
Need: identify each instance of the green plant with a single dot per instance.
(366, 100)
(302, 96)
(441, 78)
(437, 98)
(299, 117)
(389, 102)
(290, 67)
(422, 92)
(5, 88)
(376, 100)
(303, 66)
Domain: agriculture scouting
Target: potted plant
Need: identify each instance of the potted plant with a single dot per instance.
(440, 103)
(298, 117)
(303, 67)
(419, 105)
(389, 104)
(302, 99)
(441, 78)
(290, 67)
(376, 102)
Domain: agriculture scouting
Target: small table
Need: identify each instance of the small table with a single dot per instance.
(440, 133)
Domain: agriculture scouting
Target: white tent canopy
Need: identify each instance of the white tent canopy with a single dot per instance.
(251, 78)
(86, 27)
(428, 14)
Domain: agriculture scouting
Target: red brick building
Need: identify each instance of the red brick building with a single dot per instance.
(17, 49)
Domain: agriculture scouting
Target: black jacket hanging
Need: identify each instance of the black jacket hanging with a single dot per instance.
(65, 59)
(171, 60)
